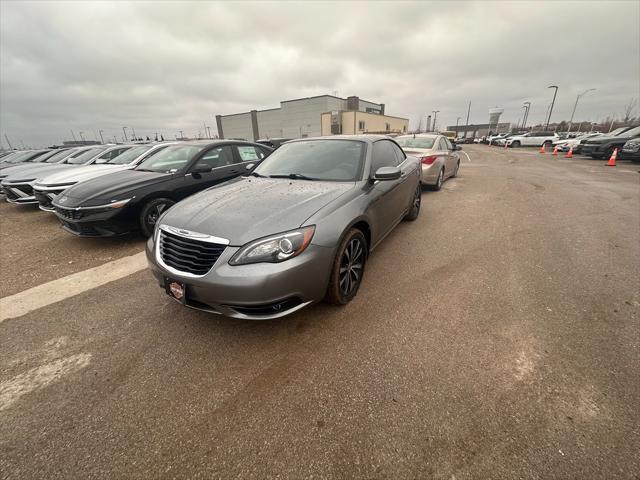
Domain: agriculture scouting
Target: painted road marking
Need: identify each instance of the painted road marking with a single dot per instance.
(37, 378)
(468, 158)
(69, 286)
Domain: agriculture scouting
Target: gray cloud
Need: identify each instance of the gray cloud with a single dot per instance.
(162, 66)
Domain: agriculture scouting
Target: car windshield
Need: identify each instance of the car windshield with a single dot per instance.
(17, 157)
(632, 133)
(129, 155)
(171, 159)
(57, 156)
(617, 131)
(328, 160)
(417, 142)
(83, 156)
(36, 157)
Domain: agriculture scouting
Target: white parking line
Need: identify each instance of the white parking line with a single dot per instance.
(468, 158)
(69, 286)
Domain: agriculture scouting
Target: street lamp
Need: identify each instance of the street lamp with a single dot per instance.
(555, 92)
(526, 114)
(100, 132)
(435, 115)
(81, 137)
(134, 133)
(124, 130)
(576, 104)
(457, 120)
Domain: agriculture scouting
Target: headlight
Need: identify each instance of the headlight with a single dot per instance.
(276, 248)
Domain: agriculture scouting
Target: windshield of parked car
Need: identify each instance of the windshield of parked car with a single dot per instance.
(327, 160)
(84, 156)
(617, 131)
(417, 142)
(171, 159)
(35, 157)
(129, 155)
(57, 155)
(18, 157)
(633, 132)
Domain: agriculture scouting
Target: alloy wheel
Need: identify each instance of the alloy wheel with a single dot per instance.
(154, 214)
(351, 265)
(440, 177)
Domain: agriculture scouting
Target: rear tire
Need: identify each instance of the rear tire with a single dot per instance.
(439, 181)
(151, 212)
(348, 268)
(414, 209)
(515, 144)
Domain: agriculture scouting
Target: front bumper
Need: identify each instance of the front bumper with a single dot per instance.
(629, 154)
(592, 149)
(19, 193)
(260, 291)
(104, 222)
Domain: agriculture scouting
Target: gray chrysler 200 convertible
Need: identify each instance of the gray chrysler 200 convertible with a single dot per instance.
(296, 230)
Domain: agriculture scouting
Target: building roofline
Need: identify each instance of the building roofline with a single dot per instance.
(315, 96)
(367, 113)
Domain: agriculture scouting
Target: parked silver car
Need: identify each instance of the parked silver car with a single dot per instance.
(297, 229)
(436, 154)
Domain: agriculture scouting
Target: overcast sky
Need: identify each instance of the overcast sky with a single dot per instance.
(164, 66)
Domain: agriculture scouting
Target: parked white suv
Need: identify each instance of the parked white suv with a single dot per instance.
(533, 139)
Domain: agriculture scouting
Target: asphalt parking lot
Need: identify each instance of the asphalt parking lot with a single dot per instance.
(497, 336)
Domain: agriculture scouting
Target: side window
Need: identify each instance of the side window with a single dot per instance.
(383, 156)
(361, 125)
(250, 153)
(218, 157)
(440, 145)
(448, 144)
(399, 153)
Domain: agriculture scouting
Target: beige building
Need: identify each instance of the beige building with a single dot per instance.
(354, 122)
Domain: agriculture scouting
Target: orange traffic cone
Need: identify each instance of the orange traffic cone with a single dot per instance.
(542, 150)
(505, 145)
(612, 160)
(555, 151)
(569, 153)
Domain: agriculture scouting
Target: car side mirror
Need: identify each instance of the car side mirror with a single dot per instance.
(457, 147)
(250, 166)
(201, 168)
(387, 173)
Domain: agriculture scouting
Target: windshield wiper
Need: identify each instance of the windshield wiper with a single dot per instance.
(145, 170)
(293, 176)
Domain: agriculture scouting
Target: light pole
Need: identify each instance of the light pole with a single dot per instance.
(555, 92)
(526, 114)
(457, 120)
(101, 139)
(81, 137)
(575, 105)
(208, 131)
(435, 116)
(124, 130)
(134, 133)
(524, 117)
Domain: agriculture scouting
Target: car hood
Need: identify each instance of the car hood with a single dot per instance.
(111, 186)
(245, 209)
(33, 172)
(79, 173)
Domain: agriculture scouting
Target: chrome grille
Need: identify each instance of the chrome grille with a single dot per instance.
(188, 255)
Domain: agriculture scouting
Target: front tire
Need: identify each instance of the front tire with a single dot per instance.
(455, 171)
(515, 144)
(151, 212)
(348, 268)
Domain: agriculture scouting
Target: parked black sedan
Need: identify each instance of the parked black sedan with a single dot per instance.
(129, 200)
(603, 146)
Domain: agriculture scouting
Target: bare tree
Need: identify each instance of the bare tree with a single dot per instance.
(628, 110)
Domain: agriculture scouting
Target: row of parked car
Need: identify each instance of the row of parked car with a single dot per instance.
(595, 145)
(236, 227)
